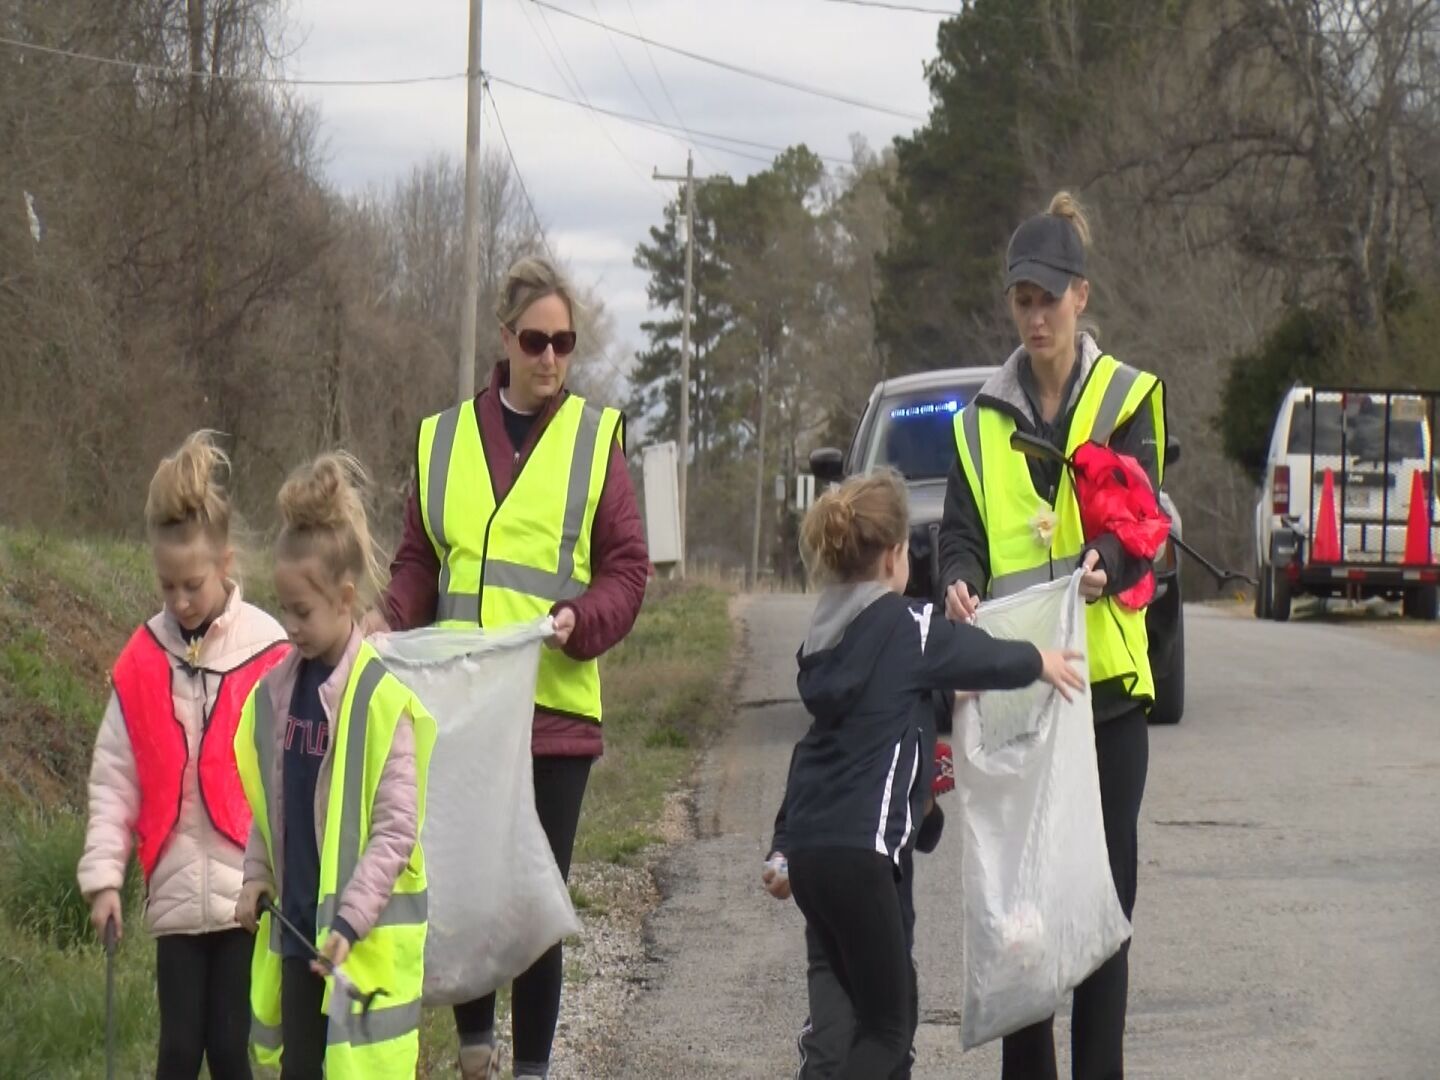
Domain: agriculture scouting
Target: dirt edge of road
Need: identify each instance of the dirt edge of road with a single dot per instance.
(607, 966)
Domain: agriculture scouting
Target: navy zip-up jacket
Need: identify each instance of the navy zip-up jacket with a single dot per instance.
(860, 775)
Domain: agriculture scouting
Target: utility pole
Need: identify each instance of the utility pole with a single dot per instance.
(474, 103)
(684, 458)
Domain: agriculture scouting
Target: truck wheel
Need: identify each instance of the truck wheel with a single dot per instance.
(1262, 593)
(1279, 595)
(1421, 602)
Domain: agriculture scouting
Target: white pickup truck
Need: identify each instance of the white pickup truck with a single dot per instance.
(1372, 443)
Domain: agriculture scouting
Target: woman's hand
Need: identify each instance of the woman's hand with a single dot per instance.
(247, 908)
(335, 950)
(1094, 580)
(1057, 671)
(960, 603)
(105, 906)
(564, 627)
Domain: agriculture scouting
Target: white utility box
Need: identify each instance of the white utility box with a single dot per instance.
(662, 503)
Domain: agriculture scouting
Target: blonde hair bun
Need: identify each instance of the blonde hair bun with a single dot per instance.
(188, 489)
(322, 513)
(323, 495)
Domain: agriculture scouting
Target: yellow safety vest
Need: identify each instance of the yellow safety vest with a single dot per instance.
(1011, 510)
(386, 1042)
(511, 560)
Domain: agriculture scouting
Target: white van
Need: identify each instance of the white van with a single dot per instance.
(1372, 443)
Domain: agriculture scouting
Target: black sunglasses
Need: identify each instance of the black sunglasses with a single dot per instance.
(535, 342)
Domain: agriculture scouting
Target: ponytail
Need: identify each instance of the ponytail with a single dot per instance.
(850, 527)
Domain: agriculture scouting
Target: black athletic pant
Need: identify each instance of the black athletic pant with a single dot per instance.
(303, 1024)
(203, 983)
(1097, 1023)
(535, 996)
(849, 900)
(829, 1029)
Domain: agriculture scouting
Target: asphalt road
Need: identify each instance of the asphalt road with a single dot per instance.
(1288, 922)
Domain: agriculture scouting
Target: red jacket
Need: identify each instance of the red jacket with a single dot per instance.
(608, 608)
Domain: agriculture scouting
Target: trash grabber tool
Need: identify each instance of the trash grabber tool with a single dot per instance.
(110, 940)
(351, 990)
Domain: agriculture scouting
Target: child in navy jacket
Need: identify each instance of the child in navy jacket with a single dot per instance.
(860, 777)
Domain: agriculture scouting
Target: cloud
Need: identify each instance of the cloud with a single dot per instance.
(590, 177)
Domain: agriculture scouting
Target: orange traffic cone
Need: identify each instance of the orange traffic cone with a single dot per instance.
(1417, 530)
(1326, 547)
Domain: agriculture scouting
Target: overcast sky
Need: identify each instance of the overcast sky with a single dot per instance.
(589, 176)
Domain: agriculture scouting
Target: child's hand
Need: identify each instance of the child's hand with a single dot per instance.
(335, 950)
(103, 907)
(1057, 671)
(777, 884)
(247, 908)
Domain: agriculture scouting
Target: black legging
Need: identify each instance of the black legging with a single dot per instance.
(203, 983)
(535, 996)
(303, 1025)
(850, 902)
(1097, 1023)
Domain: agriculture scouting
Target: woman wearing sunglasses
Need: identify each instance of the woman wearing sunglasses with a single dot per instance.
(523, 507)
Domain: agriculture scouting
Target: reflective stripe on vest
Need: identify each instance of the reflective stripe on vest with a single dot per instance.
(1013, 513)
(511, 560)
(390, 956)
(142, 680)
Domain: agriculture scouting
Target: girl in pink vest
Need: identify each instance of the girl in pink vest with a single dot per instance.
(163, 782)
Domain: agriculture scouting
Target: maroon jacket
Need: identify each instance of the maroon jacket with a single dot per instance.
(620, 564)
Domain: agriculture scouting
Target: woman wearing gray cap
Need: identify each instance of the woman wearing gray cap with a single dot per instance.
(1012, 521)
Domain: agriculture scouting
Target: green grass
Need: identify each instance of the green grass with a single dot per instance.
(664, 697)
(115, 577)
(35, 674)
(38, 891)
(66, 608)
(52, 1006)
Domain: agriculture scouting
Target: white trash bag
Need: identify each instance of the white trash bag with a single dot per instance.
(496, 898)
(1041, 912)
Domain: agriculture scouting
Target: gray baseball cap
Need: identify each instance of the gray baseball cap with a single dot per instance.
(1046, 250)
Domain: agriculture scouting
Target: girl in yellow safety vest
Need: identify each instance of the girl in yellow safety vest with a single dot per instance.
(333, 752)
(1012, 520)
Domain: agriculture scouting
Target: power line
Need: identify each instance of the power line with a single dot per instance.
(738, 69)
(222, 76)
(1334, 33)
(519, 176)
(664, 87)
(884, 6)
(573, 85)
(654, 125)
(609, 37)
